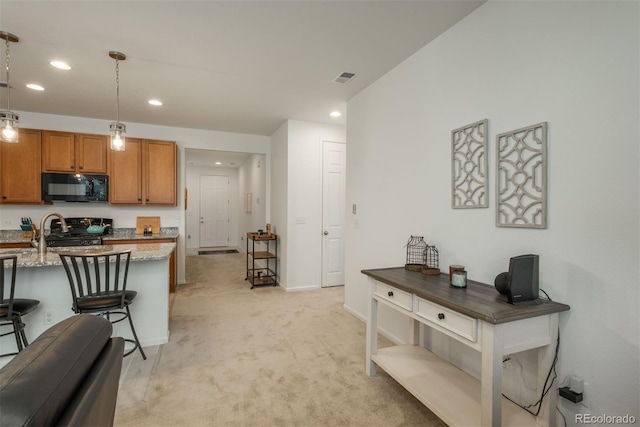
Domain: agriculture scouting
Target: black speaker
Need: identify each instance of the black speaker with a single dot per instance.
(521, 282)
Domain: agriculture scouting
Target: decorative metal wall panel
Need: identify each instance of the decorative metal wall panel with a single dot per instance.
(521, 177)
(469, 166)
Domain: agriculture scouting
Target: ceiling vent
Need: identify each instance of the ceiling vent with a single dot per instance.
(343, 77)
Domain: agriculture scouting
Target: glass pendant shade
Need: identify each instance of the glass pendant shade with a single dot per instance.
(9, 126)
(117, 131)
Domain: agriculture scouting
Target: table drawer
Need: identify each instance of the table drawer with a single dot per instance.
(393, 295)
(459, 324)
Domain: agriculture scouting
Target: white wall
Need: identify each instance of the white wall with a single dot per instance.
(299, 148)
(572, 64)
(251, 179)
(305, 200)
(280, 197)
(124, 217)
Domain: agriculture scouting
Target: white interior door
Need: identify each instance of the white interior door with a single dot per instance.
(333, 193)
(214, 210)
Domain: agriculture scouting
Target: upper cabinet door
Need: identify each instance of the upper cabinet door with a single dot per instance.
(143, 174)
(58, 151)
(160, 173)
(74, 153)
(20, 169)
(125, 174)
(92, 153)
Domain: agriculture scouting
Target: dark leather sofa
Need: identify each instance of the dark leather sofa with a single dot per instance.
(68, 376)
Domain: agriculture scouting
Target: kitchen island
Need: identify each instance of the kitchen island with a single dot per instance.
(42, 277)
(122, 236)
(119, 236)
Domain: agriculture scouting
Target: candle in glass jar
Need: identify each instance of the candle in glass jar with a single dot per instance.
(459, 279)
(453, 268)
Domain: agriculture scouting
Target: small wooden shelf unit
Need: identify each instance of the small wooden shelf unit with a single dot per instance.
(265, 272)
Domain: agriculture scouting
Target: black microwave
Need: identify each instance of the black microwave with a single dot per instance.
(74, 187)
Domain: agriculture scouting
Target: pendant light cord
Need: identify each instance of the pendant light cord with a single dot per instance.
(8, 61)
(117, 90)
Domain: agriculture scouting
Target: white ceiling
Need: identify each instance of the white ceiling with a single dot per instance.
(236, 66)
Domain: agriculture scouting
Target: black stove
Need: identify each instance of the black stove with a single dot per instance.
(78, 234)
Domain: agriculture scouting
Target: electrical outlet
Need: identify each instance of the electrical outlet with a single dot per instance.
(7, 222)
(49, 317)
(586, 400)
(576, 384)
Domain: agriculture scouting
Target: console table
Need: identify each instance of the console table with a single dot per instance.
(477, 316)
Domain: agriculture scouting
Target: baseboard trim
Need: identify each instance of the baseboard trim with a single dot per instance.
(305, 288)
(393, 338)
(354, 313)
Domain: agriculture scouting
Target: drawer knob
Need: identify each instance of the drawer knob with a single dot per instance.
(441, 316)
(390, 293)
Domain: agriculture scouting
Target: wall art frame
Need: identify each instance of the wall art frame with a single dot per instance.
(469, 166)
(521, 177)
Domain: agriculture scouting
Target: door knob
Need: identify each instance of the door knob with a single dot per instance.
(326, 233)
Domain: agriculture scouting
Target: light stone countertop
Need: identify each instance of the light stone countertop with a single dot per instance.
(130, 234)
(15, 236)
(29, 257)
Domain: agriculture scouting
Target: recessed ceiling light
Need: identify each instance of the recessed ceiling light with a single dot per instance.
(335, 114)
(60, 65)
(218, 163)
(35, 86)
(155, 102)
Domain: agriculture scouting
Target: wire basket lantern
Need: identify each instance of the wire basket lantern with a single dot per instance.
(431, 261)
(416, 247)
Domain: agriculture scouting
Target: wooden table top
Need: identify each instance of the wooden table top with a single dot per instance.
(477, 300)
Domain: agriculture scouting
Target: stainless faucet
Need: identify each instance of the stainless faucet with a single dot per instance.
(41, 244)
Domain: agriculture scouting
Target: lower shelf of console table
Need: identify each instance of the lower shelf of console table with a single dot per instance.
(450, 393)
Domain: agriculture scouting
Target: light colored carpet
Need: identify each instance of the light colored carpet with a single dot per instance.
(261, 357)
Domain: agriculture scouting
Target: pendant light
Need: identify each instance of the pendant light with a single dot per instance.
(117, 129)
(8, 120)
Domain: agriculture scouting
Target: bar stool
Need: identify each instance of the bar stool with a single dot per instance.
(12, 309)
(99, 285)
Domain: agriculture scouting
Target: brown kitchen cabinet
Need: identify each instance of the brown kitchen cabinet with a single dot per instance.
(125, 174)
(173, 260)
(74, 152)
(143, 174)
(20, 171)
